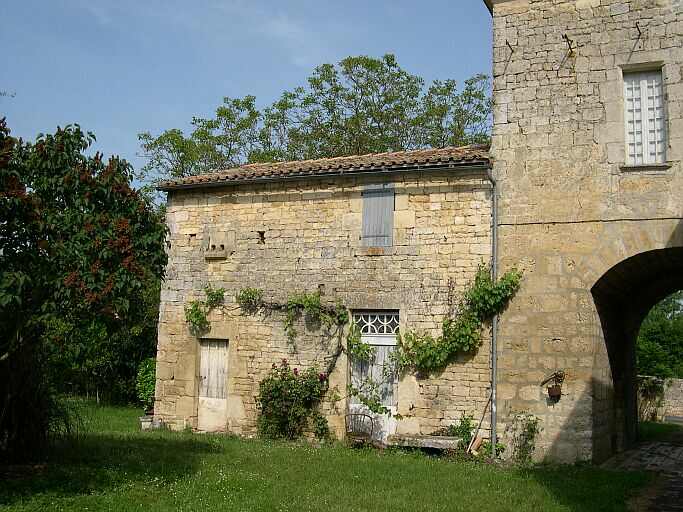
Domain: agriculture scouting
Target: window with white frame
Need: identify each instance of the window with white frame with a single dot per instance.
(645, 118)
(378, 329)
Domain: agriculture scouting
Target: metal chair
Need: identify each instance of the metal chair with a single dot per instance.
(359, 428)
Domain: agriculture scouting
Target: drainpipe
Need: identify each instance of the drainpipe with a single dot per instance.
(494, 327)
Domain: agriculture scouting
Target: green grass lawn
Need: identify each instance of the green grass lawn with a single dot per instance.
(113, 466)
(651, 431)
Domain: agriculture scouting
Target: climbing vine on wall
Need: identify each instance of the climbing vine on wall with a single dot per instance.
(309, 304)
(357, 349)
(461, 332)
(197, 311)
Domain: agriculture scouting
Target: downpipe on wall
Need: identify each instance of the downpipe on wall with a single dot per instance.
(494, 326)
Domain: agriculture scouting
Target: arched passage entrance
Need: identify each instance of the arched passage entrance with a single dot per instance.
(623, 296)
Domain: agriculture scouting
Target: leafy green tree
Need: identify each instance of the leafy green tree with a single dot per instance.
(362, 105)
(102, 360)
(78, 248)
(659, 349)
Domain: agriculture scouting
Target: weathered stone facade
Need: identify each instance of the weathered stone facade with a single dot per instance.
(599, 242)
(304, 235)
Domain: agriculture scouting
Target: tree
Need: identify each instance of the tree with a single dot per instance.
(659, 348)
(78, 247)
(362, 105)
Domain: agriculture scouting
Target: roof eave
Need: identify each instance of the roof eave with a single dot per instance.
(489, 5)
(482, 164)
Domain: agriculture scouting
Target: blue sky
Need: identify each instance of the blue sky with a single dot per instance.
(119, 67)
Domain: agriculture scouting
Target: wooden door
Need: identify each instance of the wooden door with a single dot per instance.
(212, 410)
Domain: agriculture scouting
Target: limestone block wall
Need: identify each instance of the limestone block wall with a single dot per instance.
(659, 406)
(305, 236)
(673, 398)
(569, 208)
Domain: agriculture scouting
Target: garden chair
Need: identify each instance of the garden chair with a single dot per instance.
(359, 428)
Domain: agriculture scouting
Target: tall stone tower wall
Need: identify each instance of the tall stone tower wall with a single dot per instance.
(571, 209)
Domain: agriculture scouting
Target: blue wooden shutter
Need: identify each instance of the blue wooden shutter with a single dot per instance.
(378, 215)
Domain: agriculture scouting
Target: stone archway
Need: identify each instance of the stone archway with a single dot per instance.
(623, 296)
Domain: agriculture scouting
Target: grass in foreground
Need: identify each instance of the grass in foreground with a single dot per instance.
(651, 431)
(113, 466)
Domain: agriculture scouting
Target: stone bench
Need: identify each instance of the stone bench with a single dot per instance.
(424, 441)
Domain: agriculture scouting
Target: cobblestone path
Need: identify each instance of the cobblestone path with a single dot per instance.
(664, 458)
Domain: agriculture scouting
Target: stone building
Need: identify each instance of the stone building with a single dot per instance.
(586, 157)
(383, 234)
(587, 148)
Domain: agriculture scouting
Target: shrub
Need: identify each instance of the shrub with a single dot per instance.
(145, 382)
(524, 428)
(462, 429)
(287, 398)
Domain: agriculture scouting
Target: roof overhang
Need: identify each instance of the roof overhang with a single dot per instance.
(472, 166)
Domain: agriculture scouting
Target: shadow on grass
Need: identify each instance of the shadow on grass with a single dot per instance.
(582, 487)
(665, 432)
(96, 462)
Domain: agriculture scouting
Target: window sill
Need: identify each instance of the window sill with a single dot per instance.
(645, 167)
(375, 251)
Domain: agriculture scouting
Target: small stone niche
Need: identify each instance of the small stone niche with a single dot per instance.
(219, 245)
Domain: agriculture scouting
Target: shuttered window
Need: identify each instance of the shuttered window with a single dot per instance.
(378, 215)
(645, 118)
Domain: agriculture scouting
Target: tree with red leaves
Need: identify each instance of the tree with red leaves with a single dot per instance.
(79, 248)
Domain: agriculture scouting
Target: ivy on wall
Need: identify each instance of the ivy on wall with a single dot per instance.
(460, 333)
(289, 398)
(309, 304)
(197, 311)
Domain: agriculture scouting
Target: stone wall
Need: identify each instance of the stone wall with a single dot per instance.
(673, 398)
(569, 209)
(659, 398)
(305, 236)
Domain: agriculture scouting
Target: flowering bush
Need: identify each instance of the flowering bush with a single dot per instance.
(287, 398)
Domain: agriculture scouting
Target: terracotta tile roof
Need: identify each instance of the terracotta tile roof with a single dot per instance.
(410, 160)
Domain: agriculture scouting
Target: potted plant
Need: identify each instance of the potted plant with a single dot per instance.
(555, 391)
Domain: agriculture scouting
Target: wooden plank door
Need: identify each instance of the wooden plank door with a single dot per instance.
(213, 382)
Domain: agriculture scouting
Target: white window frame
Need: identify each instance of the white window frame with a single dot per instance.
(645, 120)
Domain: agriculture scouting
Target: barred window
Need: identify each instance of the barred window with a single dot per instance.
(377, 322)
